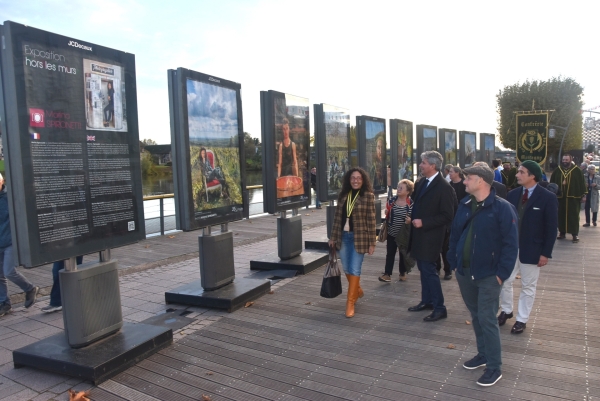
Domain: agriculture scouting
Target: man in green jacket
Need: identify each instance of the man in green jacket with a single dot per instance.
(571, 184)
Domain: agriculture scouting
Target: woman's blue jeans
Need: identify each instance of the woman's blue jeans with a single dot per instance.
(351, 260)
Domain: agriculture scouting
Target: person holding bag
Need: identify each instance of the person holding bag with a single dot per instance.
(397, 215)
(353, 230)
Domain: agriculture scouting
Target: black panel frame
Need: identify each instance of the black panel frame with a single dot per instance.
(187, 218)
(461, 151)
(361, 142)
(28, 247)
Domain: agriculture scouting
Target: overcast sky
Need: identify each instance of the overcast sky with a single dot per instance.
(438, 62)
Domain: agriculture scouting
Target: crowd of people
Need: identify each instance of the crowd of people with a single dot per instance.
(487, 225)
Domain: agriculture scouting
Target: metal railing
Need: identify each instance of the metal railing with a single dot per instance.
(159, 211)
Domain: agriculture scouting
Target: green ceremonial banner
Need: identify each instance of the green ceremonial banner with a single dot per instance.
(532, 137)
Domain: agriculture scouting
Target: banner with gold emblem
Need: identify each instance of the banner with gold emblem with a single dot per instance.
(532, 137)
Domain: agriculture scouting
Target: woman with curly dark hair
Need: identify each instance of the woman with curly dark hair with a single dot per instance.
(353, 230)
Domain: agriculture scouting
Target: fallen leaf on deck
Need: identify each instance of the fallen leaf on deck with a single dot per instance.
(209, 373)
(308, 303)
(271, 292)
(467, 322)
(451, 346)
(248, 304)
(540, 343)
(79, 396)
(307, 214)
(206, 397)
(171, 236)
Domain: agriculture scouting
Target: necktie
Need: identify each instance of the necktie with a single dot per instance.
(525, 196)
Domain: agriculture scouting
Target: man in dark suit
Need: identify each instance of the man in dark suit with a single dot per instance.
(537, 209)
(433, 211)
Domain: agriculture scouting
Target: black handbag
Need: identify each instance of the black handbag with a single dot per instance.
(332, 280)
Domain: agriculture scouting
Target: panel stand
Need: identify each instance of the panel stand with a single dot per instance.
(96, 344)
(289, 254)
(323, 243)
(218, 287)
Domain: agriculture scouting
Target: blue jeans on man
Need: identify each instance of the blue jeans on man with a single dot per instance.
(55, 299)
(8, 271)
(482, 298)
(431, 288)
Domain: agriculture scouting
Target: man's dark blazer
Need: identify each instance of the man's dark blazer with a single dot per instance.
(538, 224)
(435, 207)
(500, 189)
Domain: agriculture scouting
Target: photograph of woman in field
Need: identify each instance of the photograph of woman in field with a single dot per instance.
(214, 148)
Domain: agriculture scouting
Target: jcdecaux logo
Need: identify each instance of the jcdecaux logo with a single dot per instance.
(79, 45)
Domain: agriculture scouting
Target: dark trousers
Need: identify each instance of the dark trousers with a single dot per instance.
(431, 288)
(482, 299)
(390, 257)
(588, 207)
(55, 299)
(442, 257)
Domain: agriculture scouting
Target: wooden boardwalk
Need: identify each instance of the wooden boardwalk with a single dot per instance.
(294, 345)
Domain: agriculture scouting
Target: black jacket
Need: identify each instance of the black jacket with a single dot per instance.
(435, 207)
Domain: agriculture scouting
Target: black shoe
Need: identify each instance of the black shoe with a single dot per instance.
(30, 296)
(561, 236)
(594, 223)
(575, 239)
(420, 307)
(586, 225)
(4, 309)
(476, 362)
(435, 316)
(490, 377)
(518, 328)
(448, 276)
(503, 317)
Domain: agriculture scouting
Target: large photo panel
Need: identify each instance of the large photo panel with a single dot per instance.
(286, 140)
(448, 145)
(468, 148)
(427, 139)
(208, 168)
(372, 150)
(72, 145)
(401, 134)
(487, 143)
(332, 126)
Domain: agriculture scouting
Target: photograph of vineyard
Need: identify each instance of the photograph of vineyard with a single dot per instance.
(405, 151)
(337, 125)
(470, 148)
(450, 148)
(429, 139)
(213, 125)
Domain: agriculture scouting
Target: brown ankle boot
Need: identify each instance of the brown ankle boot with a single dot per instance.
(353, 285)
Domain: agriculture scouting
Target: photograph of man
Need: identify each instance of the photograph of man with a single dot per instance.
(288, 162)
(571, 184)
(483, 250)
(537, 209)
(377, 166)
(433, 211)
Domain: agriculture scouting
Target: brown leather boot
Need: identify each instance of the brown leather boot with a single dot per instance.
(360, 290)
(353, 285)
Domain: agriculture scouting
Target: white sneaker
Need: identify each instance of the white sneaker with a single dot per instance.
(50, 308)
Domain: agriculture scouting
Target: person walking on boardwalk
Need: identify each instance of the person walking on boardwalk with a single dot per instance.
(509, 175)
(397, 212)
(483, 251)
(433, 211)
(591, 199)
(353, 230)
(7, 261)
(537, 209)
(571, 184)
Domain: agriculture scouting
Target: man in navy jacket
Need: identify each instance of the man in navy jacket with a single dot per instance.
(538, 218)
(483, 250)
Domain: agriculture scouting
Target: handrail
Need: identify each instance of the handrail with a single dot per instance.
(166, 196)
